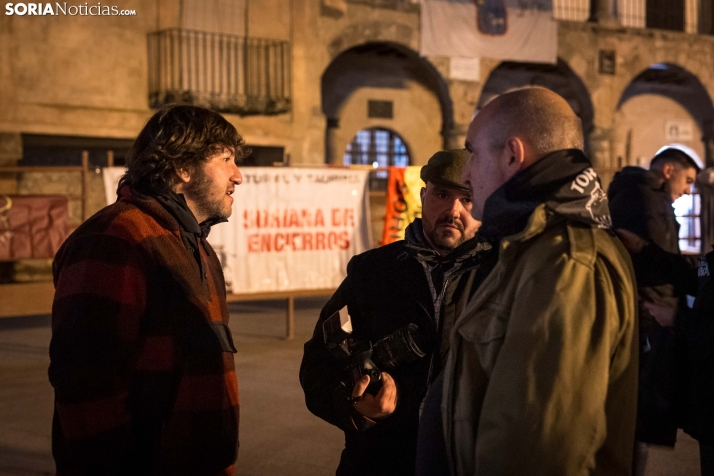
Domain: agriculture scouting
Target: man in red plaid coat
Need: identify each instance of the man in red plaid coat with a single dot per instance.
(141, 354)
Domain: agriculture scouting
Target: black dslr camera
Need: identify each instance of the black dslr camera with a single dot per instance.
(360, 357)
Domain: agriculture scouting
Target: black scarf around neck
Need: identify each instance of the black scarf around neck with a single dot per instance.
(564, 181)
(192, 233)
(417, 243)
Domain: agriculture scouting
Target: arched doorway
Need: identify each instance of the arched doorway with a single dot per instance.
(558, 78)
(663, 104)
(667, 104)
(387, 86)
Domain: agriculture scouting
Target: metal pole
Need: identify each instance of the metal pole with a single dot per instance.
(85, 183)
(290, 322)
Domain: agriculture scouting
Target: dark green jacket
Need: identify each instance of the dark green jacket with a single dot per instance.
(541, 377)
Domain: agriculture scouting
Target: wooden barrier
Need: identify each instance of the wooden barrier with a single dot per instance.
(289, 297)
(29, 299)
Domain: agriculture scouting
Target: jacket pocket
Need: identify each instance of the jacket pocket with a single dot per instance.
(486, 330)
(224, 337)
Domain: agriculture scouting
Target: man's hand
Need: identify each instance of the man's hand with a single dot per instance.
(664, 315)
(632, 242)
(377, 406)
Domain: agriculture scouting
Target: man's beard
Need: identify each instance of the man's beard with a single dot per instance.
(198, 189)
(443, 244)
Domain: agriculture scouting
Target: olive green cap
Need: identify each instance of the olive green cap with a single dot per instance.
(446, 168)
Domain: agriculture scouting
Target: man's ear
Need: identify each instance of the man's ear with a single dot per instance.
(422, 194)
(516, 153)
(183, 175)
(668, 170)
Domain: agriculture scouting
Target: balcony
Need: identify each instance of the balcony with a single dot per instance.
(226, 73)
(690, 16)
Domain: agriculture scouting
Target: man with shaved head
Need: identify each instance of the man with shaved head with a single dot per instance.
(541, 376)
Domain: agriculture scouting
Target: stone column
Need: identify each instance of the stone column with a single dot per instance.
(455, 136)
(10, 153)
(708, 139)
(604, 12)
(600, 154)
(331, 155)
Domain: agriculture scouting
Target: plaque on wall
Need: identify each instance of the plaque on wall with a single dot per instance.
(380, 109)
(678, 130)
(607, 61)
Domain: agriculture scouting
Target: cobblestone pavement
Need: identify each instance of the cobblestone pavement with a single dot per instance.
(278, 435)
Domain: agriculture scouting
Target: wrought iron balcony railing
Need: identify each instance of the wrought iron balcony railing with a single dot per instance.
(222, 72)
(691, 16)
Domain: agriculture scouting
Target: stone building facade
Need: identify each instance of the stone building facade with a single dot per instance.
(312, 74)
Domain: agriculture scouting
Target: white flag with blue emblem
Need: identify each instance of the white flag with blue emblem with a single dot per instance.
(512, 30)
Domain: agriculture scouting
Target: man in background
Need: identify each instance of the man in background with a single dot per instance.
(141, 354)
(424, 280)
(641, 202)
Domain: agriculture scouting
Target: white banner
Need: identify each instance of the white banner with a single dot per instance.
(291, 228)
(514, 30)
(111, 182)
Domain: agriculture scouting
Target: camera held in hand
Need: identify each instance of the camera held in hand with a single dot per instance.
(362, 357)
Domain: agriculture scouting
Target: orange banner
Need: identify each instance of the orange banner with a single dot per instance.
(403, 202)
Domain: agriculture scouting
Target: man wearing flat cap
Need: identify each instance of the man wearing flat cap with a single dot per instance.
(424, 280)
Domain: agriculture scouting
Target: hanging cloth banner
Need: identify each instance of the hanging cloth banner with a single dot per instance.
(291, 228)
(513, 30)
(403, 202)
(32, 226)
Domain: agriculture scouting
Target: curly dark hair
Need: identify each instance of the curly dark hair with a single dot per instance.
(177, 137)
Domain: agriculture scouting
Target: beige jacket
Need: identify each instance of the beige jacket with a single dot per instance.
(541, 378)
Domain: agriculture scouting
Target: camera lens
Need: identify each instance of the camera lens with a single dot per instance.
(402, 346)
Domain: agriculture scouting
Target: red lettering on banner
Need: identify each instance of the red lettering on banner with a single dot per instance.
(279, 247)
(298, 218)
(294, 221)
(281, 230)
(343, 217)
(331, 239)
(253, 243)
(344, 241)
(349, 217)
(295, 218)
(266, 243)
(320, 241)
(305, 217)
(297, 241)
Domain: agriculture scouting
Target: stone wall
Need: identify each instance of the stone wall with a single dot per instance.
(88, 76)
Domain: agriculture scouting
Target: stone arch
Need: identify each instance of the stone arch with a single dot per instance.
(558, 77)
(358, 34)
(679, 85)
(392, 69)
